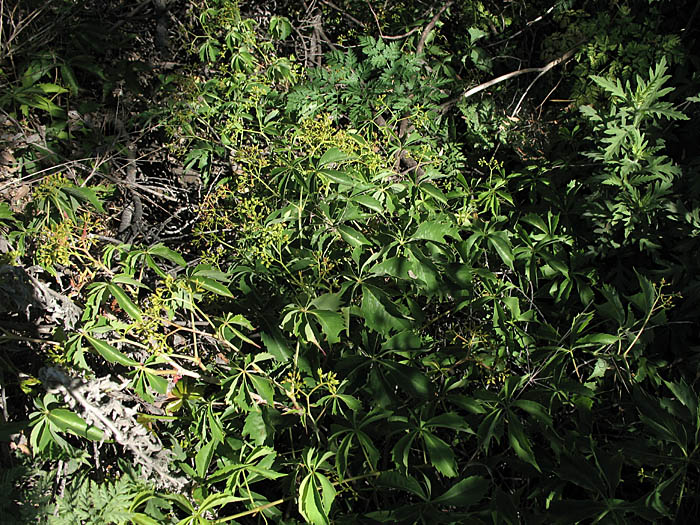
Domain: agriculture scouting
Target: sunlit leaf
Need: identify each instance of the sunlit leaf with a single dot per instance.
(433, 191)
(334, 156)
(125, 302)
(163, 251)
(203, 458)
(436, 231)
(212, 286)
(499, 241)
(353, 237)
(110, 353)
(69, 421)
(332, 323)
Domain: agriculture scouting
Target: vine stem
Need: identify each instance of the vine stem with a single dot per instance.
(641, 330)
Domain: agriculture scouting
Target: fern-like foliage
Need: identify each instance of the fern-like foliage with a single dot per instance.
(87, 501)
(631, 193)
(385, 81)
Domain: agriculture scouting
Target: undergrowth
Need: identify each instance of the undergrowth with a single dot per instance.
(379, 309)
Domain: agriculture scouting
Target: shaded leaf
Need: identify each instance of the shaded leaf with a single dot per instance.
(409, 379)
(380, 313)
(519, 441)
(441, 455)
(405, 482)
(464, 493)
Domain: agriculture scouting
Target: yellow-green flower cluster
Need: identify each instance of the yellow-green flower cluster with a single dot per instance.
(54, 244)
(319, 134)
(50, 185)
(150, 327)
(215, 213)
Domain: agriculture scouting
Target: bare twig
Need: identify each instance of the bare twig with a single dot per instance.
(400, 37)
(318, 27)
(402, 156)
(144, 448)
(430, 27)
(376, 20)
(405, 123)
(343, 12)
(481, 87)
(690, 21)
(379, 27)
(544, 100)
(531, 22)
(517, 107)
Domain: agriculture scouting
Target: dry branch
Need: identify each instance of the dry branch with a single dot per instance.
(481, 87)
(430, 27)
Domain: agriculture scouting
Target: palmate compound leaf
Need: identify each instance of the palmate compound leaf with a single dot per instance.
(339, 177)
(86, 195)
(449, 420)
(218, 500)
(369, 202)
(687, 396)
(334, 156)
(211, 280)
(534, 409)
(203, 458)
(393, 266)
(405, 482)
(576, 511)
(500, 242)
(255, 426)
(408, 379)
(125, 302)
(275, 343)
(401, 450)
(163, 251)
(212, 285)
(331, 323)
(433, 191)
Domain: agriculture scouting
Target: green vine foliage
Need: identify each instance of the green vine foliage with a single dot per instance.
(368, 321)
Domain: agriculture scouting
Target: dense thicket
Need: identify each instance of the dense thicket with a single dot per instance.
(351, 261)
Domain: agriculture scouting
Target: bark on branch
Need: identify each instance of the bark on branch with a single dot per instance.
(430, 27)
